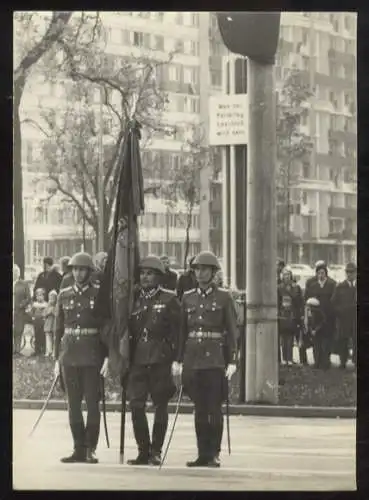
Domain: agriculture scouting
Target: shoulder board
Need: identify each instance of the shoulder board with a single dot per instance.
(169, 292)
(188, 292)
(224, 290)
(95, 284)
(66, 289)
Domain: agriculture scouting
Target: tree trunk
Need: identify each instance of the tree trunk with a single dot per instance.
(187, 241)
(18, 235)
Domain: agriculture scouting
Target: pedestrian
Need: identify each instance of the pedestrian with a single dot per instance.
(154, 338)
(316, 331)
(49, 325)
(38, 312)
(21, 300)
(290, 313)
(207, 352)
(344, 301)
(314, 279)
(48, 279)
(322, 289)
(67, 277)
(81, 356)
(280, 266)
(187, 281)
(170, 277)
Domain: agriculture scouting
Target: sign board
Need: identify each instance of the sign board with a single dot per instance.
(229, 120)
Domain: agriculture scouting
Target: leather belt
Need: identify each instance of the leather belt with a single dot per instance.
(205, 335)
(81, 331)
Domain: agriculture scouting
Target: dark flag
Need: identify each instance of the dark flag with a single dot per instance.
(116, 294)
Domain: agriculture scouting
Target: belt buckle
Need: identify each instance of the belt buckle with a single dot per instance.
(145, 335)
(78, 331)
(199, 336)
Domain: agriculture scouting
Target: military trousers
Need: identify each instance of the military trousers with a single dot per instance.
(154, 380)
(83, 382)
(207, 388)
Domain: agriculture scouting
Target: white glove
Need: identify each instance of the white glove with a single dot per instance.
(230, 371)
(105, 368)
(57, 369)
(177, 369)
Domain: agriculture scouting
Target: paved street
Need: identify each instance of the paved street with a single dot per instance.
(267, 454)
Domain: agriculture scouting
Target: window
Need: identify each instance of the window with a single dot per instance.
(125, 37)
(350, 201)
(216, 78)
(304, 36)
(304, 197)
(179, 46)
(146, 41)
(195, 19)
(174, 73)
(137, 39)
(179, 18)
(158, 43)
(306, 170)
(194, 50)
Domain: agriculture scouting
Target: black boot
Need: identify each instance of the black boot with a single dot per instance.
(158, 435)
(78, 456)
(202, 436)
(79, 453)
(91, 457)
(92, 437)
(142, 436)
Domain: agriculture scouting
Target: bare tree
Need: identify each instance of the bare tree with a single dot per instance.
(183, 183)
(100, 90)
(35, 34)
(293, 146)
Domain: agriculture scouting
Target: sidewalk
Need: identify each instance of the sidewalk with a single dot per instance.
(242, 409)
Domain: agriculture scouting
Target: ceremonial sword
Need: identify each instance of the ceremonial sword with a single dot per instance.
(174, 424)
(45, 404)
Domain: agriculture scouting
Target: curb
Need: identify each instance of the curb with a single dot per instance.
(240, 410)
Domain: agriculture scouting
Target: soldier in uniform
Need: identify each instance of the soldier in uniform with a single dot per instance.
(207, 349)
(81, 356)
(153, 329)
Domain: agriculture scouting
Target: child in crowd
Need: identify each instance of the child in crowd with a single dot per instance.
(50, 322)
(314, 324)
(38, 316)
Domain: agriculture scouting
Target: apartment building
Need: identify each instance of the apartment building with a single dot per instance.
(324, 200)
(56, 228)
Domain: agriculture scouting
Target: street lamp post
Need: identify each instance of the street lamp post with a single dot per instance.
(100, 210)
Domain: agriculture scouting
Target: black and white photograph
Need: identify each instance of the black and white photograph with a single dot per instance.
(184, 251)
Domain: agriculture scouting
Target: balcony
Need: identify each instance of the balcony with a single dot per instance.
(334, 82)
(343, 136)
(335, 160)
(342, 212)
(341, 57)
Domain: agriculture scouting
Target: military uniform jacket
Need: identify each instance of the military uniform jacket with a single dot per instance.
(75, 313)
(154, 327)
(206, 311)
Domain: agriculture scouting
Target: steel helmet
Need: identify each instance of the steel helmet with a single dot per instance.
(152, 262)
(313, 302)
(206, 258)
(82, 259)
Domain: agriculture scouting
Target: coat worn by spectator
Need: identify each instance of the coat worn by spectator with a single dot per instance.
(290, 312)
(49, 279)
(185, 283)
(21, 300)
(344, 301)
(38, 312)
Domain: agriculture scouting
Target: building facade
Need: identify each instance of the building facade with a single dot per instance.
(324, 199)
(323, 221)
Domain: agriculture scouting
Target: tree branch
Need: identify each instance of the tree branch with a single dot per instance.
(56, 27)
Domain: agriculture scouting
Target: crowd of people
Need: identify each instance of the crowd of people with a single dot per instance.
(322, 317)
